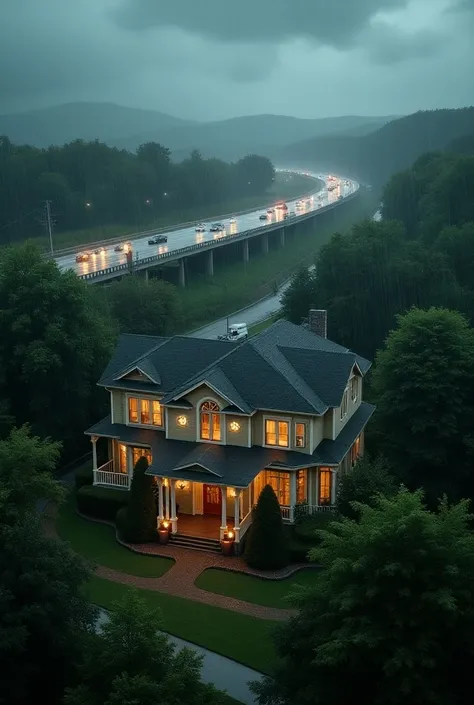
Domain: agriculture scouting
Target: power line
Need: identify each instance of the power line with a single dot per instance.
(22, 217)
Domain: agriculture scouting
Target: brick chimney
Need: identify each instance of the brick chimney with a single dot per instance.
(318, 322)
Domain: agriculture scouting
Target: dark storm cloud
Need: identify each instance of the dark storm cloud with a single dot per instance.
(332, 22)
(387, 45)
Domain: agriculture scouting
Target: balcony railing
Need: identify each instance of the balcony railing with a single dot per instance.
(105, 475)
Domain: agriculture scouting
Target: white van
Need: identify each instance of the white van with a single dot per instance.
(236, 332)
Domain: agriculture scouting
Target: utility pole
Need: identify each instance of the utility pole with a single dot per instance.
(50, 229)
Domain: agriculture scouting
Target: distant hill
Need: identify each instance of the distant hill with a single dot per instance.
(233, 138)
(373, 158)
(88, 121)
(127, 128)
(462, 145)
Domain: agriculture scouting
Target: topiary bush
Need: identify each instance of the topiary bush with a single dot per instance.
(83, 476)
(266, 545)
(100, 502)
(139, 526)
(121, 523)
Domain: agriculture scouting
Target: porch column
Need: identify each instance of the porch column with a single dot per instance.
(333, 487)
(160, 499)
(174, 518)
(167, 500)
(94, 457)
(292, 495)
(223, 512)
(237, 515)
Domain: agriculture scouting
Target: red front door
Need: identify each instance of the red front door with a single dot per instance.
(212, 499)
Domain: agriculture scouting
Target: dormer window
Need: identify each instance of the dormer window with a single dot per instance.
(345, 403)
(144, 412)
(210, 421)
(354, 388)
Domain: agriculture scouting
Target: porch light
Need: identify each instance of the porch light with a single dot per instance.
(165, 482)
(234, 426)
(182, 420)
(230, 534)
(233, 493)
(182, 485)
(166, 525)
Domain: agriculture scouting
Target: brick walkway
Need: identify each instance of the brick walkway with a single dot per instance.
(180, 578)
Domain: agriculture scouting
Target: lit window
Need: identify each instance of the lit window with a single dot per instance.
(156, 413)
(276, 433)
(300, 435)
(280, 481)
(133, 410)
(123, 458)
(355, 451)
(345, 403)
(324, 487)
(146, 412)
(301, 486)
(210, 421)
(138, 453)
(354, 388)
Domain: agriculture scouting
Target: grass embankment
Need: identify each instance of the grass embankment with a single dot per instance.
(285, 187)
(258, 327)
(270, 593)
(232, 634)
(237, 285)
(97, 543)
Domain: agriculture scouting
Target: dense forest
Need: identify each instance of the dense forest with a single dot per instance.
(90, 184)
(373, 158)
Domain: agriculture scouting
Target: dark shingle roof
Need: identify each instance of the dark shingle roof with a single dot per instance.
(284, 368)
(229, 465)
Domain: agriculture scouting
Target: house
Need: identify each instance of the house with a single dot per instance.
(220, 420)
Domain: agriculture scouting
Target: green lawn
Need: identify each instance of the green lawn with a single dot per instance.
(97, 543)
(239, 637)
(285, 186)
(270, 593)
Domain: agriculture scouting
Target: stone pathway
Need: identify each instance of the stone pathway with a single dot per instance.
(180, 578)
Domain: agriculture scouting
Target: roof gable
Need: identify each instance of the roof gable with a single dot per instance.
(144, 371)
(326, 372)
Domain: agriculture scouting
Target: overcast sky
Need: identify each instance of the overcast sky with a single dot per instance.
(212, 59)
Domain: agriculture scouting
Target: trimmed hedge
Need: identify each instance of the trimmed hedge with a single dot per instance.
(101, 502)
(121, 522)
(266, 546)
(83, 476)
(306, 527)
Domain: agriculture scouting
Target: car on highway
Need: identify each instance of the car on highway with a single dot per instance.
(99, 251)
(264, 216)
(217, 228)
(82, 257)
(233, 221)
(282, 206)
(158, 240)
(270, 210)
(119, 248)
(200, 228)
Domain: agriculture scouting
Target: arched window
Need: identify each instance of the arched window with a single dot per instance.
(210, 422)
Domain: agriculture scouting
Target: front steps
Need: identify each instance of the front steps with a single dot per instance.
(195, 543)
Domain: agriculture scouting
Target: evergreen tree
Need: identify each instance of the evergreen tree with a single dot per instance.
(265, 547)
(140, 524)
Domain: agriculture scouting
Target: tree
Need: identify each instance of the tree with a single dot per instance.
(130, 661)
(424, 388)
(256, 173)
(44, 613)
(27, 464)
(391, 615)
(300, 296)
(56, 347)
(139, 525)
(265, 545)
(364, 483)
(150, 307)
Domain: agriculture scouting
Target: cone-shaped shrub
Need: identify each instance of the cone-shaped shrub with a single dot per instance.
(265, 547)
(140, 524)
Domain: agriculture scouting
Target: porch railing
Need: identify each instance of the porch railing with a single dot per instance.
(105, 475)
(289, 513)
(244, 524)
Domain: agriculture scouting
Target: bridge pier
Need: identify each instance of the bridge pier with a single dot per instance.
(265, 243)
(182, 273)
(245, 249)
(210, 263)
(282, 237)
